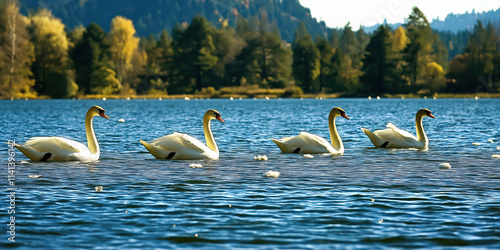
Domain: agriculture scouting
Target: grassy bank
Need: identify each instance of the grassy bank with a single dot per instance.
(245, 92)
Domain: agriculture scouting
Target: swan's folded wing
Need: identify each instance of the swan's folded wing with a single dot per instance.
(403, 133)
(49, 144)
(393, 133)
(176, 140)
(313, 140)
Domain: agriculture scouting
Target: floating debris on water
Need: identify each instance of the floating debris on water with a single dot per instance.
(267, 98)
(378, 97)
(490, 141)
(121, 120)
(260, 158)
(231, 98)
(187, 98)
(195, 165)
(98, 188)
(380, 221)
(498, 148)
(476, 143)
(445, 165)
(173, 225)
(195, 235)
(34, 176)
(230, 205)
(128, 98)
(369, 97)
(372, 200)
(308, 156)
(25, 162)
(159, 99)
(104, 98)
(495, 156)
(271, 173)
(126, 211)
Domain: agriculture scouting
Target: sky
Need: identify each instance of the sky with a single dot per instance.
(371, 12)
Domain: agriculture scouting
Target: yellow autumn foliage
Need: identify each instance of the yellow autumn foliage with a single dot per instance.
(123, 43)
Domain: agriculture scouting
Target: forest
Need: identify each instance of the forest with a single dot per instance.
(41, 58)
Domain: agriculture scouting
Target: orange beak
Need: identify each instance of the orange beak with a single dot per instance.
(345, 116)
(220, 119)
(104, 115)
(430, 115)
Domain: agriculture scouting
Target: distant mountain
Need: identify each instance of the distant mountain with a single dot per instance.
(152, 16)
(456, 22)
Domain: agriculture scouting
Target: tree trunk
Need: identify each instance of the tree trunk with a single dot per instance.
(12, 37)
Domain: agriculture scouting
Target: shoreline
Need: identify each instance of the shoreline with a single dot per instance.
(243, 96)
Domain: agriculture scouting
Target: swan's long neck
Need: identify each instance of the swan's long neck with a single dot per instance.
(209, 137)
(421, 136)
(334, 134)
(91, 139)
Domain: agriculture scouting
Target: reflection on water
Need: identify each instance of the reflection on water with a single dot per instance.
(368, 198)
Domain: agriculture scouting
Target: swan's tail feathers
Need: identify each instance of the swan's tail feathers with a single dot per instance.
(377, 142)
(151, 149)
(32, 154)
(281, 145)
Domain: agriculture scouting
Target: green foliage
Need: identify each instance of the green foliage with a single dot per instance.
(478, 68)
(325, 62)
(380, 64)
(265, 60)
(424, 47)
(194, 53)
(16, 53)
(61, 84)
(103, 80)
(50, 67)
(214, 59)
(306, 59)
(88, 53)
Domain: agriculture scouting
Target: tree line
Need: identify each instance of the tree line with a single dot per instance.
(39, 56)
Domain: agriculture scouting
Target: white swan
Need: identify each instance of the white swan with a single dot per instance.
(393, 137)
(179, 146)
(62, 149)
(306, 143)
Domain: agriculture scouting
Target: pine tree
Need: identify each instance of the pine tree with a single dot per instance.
(424, 48)
(264, 59)
(194, 52)
(305, 59)
(379, 64)
(88, 55)
(326, 53)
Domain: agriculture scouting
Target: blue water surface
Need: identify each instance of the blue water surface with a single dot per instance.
(367, 198)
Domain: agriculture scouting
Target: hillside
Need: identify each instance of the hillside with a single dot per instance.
(152, 16)
(456, 22)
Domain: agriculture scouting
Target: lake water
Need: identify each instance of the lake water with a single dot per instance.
(366, 199)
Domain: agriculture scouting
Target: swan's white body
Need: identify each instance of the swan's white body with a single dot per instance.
(394, 137)
(179, 146)
(62, 149)
(306, 143)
